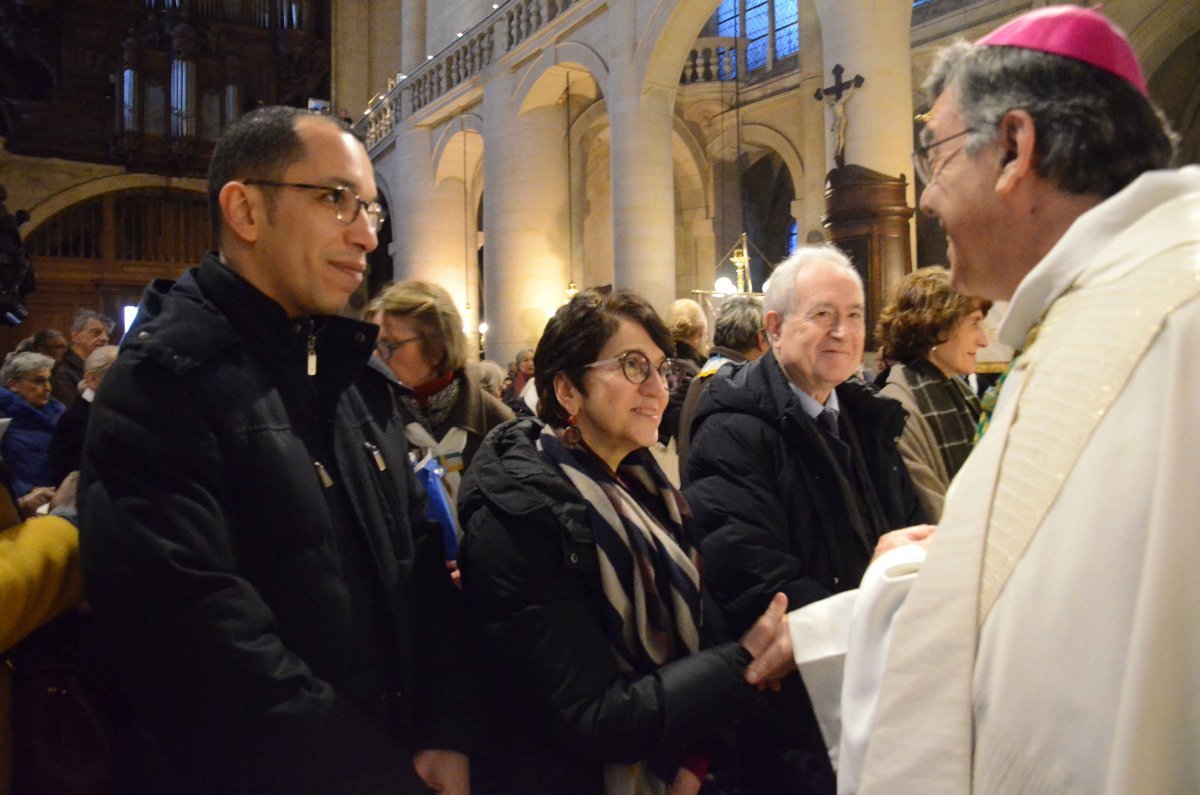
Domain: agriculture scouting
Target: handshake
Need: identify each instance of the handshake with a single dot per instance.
(769, 641)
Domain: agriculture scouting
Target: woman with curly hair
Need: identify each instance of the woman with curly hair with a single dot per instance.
(931, 334)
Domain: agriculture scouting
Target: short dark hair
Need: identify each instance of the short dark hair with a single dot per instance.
(85, 316)
(260, 145)
(922, 314)
(578, 332)
(43, 339)
(1096, 132)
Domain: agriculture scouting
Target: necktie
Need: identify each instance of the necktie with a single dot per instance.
(829, 421)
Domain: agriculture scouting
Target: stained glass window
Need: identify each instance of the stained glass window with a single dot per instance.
(787, 28)
(756, 33)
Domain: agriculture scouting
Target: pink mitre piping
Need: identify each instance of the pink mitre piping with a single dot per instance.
(1072, 32)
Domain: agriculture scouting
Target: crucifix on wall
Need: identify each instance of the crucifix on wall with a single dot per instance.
(836, 97)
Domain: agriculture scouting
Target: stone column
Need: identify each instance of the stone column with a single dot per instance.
(526, 259)
(427, 223)
(872, 39)
(412, 35)
(643, 189)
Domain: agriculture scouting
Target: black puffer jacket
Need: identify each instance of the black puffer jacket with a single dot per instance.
(248, 550)
(777, 513)
(559, 708)
(772, 505)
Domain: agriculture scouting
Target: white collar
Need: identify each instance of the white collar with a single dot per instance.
(1076, 250)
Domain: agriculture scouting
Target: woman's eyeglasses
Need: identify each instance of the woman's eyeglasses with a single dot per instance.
(636, 368)
(387, 349)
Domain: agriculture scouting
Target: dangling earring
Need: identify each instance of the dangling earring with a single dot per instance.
(571, 435)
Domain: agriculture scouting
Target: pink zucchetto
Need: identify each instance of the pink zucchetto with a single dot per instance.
(1072, 32)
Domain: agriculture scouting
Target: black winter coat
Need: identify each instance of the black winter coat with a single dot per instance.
(770, 501)
(777, 513)
(247, 546)
(559, 708)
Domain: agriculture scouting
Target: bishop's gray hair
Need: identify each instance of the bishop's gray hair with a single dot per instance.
(1096, 132)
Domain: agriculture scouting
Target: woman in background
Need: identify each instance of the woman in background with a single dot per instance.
(25, 398)
(932, 333)
(423, 351)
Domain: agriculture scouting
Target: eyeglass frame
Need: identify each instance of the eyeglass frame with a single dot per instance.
(392, 347)
(920, 156)
(376, 215)
(36, 381)
(670, 380)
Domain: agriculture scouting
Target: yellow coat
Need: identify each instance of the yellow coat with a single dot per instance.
(39, 579)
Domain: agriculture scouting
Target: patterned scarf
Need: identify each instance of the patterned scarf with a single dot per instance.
(649, 570)
(949, 407)
(434, 415)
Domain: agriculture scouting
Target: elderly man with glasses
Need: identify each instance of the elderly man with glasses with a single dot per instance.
(278, 614)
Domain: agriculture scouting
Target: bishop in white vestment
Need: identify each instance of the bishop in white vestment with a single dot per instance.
(1050, 642)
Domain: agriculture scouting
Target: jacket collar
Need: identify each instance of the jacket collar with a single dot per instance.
(510, 472)
(761, 389)
(184, 323)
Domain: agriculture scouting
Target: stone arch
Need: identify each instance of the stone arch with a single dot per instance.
(669, 35)
(543, 82)
(448, 159)
(696, 160)
(769, 138)
(51, 206)
(1158, 33)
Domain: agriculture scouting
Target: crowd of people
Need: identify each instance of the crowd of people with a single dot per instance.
(327, 554)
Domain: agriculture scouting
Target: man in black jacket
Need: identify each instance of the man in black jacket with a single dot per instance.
(89, 331)
(249, 528)
(794, 477)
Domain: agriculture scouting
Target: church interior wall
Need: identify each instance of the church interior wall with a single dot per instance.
(445, 19)
(369, 40)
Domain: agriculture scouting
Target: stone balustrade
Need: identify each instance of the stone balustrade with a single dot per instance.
(714, 58)
(503, 30)
(524, 17)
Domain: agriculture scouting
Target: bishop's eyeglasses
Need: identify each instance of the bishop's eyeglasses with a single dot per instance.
(346, 203)
(923, 163)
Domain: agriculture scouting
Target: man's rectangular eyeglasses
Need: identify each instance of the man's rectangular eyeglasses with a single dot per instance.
(346, 203)
(635, 366)
(921, 162)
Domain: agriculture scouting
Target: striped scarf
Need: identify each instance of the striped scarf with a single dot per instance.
(649, 569)
(949, 407)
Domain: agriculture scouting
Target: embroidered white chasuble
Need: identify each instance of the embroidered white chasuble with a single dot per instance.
(1073, 534)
